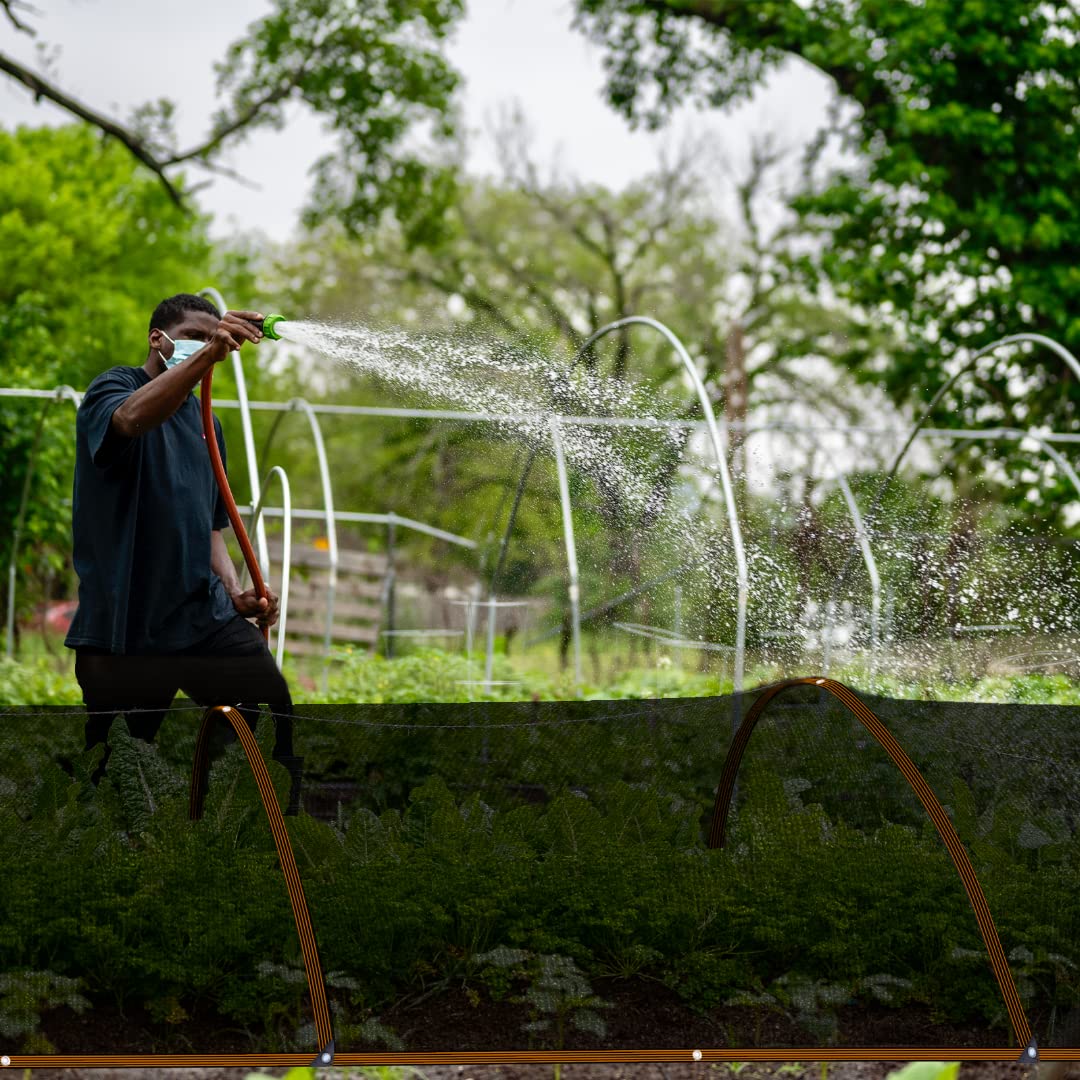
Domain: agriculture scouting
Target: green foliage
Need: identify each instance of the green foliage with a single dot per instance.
(25, 995)
(927, 1070)
(812, 1003)
(953, 223)
(435, 676)
(37, 682)
(427, 675)
(309, 51)
(89, 244)
(142, 779)
(559, 994)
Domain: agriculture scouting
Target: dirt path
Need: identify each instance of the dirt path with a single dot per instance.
(846, 1070)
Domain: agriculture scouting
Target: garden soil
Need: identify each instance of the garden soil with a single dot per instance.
(442, 1019)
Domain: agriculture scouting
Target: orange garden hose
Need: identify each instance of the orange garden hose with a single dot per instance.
(312, 965)
(286, 859)
(230, 503)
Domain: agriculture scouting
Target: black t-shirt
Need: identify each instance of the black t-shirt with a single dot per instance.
(142, 512)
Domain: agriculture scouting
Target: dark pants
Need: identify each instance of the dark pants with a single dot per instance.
(232, 666)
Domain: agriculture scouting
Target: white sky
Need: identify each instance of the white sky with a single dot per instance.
(115, 54)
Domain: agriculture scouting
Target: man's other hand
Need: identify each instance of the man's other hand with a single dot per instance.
(250, 604)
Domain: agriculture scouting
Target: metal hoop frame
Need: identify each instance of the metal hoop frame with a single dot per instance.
(937, 813)
(200, 772)
(328, 505)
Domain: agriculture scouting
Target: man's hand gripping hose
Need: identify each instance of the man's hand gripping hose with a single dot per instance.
(218, 466)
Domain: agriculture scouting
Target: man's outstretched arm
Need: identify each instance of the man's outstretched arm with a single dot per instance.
(151, 405)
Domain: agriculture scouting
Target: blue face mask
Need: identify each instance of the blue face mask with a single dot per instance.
(182, 349)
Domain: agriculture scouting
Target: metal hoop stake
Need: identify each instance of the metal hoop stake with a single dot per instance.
(931, 804)
(301, 914)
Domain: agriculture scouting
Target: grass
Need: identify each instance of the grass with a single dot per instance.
(44, 675)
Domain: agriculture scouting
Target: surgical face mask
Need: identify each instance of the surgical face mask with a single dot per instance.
(182, 349)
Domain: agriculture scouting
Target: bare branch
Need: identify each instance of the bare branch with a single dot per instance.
(240, 121)
(527, 281)
(512, 139)
(675, 182)
(473, 297)
(42, 89)
(230, 174)
(765, 155)
(9, 7)
(560, 214)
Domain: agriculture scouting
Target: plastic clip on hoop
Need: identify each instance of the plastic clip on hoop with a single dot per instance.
(268, 328)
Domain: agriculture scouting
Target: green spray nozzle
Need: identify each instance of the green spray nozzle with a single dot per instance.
(269, 324)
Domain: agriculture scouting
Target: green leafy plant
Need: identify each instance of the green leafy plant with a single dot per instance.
(629, 962)
(25, 995)
(927, 1070)
(37, 682)
(558, 994)
(762, 1003)
(366, 1031)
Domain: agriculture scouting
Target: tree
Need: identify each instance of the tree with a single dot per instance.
(373, 71)
(956, 220)
(89, 243)
(544, 260)
(538, 262)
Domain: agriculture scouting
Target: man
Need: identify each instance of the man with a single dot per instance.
(160, 604)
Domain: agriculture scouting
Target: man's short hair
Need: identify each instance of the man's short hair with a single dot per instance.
(169, 312)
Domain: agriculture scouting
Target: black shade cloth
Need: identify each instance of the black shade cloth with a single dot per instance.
(537, 875)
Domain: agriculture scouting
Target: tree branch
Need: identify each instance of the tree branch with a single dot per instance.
(9, 7)
(229, 174)
(788, 28)
(676, 182)
(563, 218)
(236, 124)
(471, 296)
(42, 89)
(561, 319)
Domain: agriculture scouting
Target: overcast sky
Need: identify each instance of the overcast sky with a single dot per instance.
(115, 54)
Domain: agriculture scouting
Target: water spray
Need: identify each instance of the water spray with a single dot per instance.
(271, 328)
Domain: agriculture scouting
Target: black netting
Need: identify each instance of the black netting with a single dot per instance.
(538, 875)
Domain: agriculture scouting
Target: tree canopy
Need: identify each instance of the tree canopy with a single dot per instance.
(375, 73)
(89, 243)
(955, 219)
